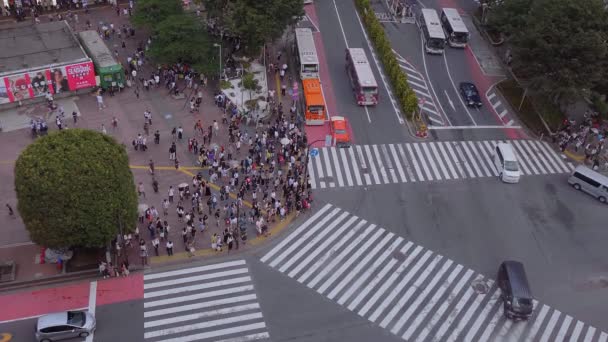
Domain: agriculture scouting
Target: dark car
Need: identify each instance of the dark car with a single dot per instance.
(470, 94)
(515, 290)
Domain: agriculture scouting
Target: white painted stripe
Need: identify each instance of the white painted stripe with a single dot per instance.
(471, 159)
(552, 157)
(571, 166)
(522, 155)
(190, 270)
(482, 161)
(439, 159)
(510, 123)
(198, 296)
(498, 103)
(334, 155)
(381, 166)
(196, 287)
(197, 306)
(533, 156)
(368, 270)
(409, 76)
(388, 283)
(488, 154)
(416, 84)
(577, 331)
(491, 96)
(561, 334)
(397, 163)
(302, 228)
(251, 337)
(549, 328)
(432, 162)
(515, 332)
(221, 332)
(413, 159)
(351, 260)
(336, 260)
(200, 315)
(304, 250)
(319, 169)
(325, 243)
(503, 113)
(333, 249)
(92, 306)
(492, 324)
(603, 337)
(539, 147)
(361, 158)
(353, 160)
(427, 109)
(388, 300)
(443, 307)
(478, 299)
(431, 303)
(406, 67)
(344, 162)
(455, 160)
(296, 244)
(436, 121)
(406, 163)
(481, 317)
(537, 323)
(203, 325)
(462, 159)
(408, 293)
(377, 279)
(325, 153)
(446, 160)
(198, 278)
(420, 155)
(423, 93)
(589, 335)
(370, 162)
(313, 182)
(389, 163)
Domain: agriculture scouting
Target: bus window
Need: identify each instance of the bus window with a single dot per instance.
(456, 30)
(434, 37)
(361, 77)
(314, 113)
(306, 54)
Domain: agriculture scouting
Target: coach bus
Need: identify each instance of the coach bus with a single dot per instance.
(361, 77)
(434, 37)
(306, 54)
(110, 72)
(454, 27)
(314, 111)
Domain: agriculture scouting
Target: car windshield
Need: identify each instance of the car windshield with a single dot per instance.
(340, 131)
(511, 165)
(522, 302)
(77, 318)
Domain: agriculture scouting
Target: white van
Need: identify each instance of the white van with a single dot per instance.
(589, 181)
(506, 163)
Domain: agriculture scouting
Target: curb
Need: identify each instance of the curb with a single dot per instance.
(573, 156)
(51, 280)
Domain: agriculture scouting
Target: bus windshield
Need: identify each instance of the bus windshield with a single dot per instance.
(371, 90)
(316, 109)
(435, 43)
(459, 37)
(310, 67)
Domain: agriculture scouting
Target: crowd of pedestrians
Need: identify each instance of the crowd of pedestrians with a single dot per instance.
(586, 138)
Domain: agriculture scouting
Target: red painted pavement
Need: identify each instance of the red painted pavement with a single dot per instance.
(69, 297)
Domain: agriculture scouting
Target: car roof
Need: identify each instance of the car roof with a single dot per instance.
(337, 118)
(53, 319)
(518, 279)
(507, 151)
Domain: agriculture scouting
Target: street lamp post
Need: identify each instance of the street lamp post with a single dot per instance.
(219, 46)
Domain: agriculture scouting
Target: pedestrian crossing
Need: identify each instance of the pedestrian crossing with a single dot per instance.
(205, 303)
(412, 292)
(364, 165)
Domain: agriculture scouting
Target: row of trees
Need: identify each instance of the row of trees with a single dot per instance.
(559, 46)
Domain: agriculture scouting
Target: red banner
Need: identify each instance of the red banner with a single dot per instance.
(81, 75)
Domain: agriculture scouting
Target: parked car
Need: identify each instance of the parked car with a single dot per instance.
(470, 94)
(64, 325)
(337, 127)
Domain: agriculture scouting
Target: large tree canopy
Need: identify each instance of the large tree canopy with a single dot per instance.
(148, 13)
(74, 188)
(255, 22)
(558, 45)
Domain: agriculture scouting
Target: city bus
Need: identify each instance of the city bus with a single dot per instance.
(434, 37)
(314, 111)
(361, 77)
(454, 27)
(306, 54)
(110, 72)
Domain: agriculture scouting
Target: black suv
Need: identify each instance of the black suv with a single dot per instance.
(515, 291)
(470, 94)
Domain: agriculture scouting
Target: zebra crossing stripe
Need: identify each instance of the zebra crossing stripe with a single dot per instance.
(590, 333)
(467, 315)
(431, 161)
(221, 332)
(559, 165)
(480, 159)
(577, 331)
(464, 147)
(397, 163)
(198, 296)
(561, 334)
(370, 162)
(200, 315)
(488, 153)
(455, 160)
(361, 159)
(202, 305)
(334, 155)
(537, 323)
(349, 178)
(311, 179)
(351, 153)
(438, 158)
(195, 278)
(328, 167)
(549, 328)
(380, 165)
(415, 84)
(319, 170)
(463, 160)
(412, 76)
(522, 156)
(490, 304)
(159, 275)
(603, 337)
(427, 172)
(537, 161)
(197, 287)
(389, 163)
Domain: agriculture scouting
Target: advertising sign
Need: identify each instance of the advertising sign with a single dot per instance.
(81, 75)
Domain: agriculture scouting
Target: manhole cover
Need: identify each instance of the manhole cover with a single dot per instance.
(400, 256)
(480, 287)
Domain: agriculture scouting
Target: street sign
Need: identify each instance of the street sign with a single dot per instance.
(314, 152)
(328, 140)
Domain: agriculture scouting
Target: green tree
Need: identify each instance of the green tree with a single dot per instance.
(148, 13)
(507, 17)
(74, 188)
(562, 47)
(182, 38)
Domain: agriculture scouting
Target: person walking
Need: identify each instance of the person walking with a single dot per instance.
(143, 252)
(100, 103)
(141, 190)
(165, 207)
(171, 193)
(75, 117)
(155, 244)
(151, 167)
(169, 247)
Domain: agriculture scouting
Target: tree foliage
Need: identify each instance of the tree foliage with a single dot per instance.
(255, 22)
(560, 46)
(74, 188)
(148, 13)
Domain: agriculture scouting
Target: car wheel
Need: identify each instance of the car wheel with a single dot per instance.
(84, 334)
(577, 186)
(602, 199)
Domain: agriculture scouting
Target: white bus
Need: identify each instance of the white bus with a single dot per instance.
(306, 53)
(434, 37)
(361, 77)
(454, 27)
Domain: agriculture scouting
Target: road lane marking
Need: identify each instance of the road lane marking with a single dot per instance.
(92, 305)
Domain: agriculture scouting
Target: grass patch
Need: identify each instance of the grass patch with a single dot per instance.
(225, 85)
(532, 108)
